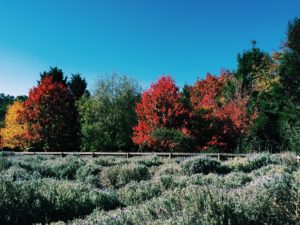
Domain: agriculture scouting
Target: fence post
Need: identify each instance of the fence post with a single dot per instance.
(219, 157)
(3, 163)
(127, 155)
(170, 155)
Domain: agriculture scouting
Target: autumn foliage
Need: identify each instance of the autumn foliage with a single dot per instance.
(228, 118)
(206, 115)
(50, 114)
(160, 107)
(14, 133)
(213, 120)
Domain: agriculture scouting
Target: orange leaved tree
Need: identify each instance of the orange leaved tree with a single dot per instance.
(15, 131)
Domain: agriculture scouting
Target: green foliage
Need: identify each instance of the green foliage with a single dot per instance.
(257, 109)
(289, 72)
(177, 141)
(265, 134)
(108, 115)
(293, 36)
(185, 97)
(291, 135)
(248, 62)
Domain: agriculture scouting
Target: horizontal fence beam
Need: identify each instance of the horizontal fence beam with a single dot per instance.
(131, 154)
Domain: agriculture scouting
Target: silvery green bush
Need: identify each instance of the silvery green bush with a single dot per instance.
(117, 176)
(48, 199)
(259, 189)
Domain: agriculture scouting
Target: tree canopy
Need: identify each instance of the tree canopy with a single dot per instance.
(108, 115)
(50, 114)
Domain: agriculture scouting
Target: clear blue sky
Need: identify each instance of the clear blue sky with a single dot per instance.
(140, 38)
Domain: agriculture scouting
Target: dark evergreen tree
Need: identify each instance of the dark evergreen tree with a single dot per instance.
(56, 74)
(77, 86)
(290, 63)
(5, 101)
(289, 71)
(21, 98)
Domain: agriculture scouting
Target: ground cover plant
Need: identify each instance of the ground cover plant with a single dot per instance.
(257, 189)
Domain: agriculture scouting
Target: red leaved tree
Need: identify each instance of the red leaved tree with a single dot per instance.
(225, 120)
(159, 109)
(50, 114)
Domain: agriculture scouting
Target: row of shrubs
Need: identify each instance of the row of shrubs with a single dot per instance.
(272, 199)
(118, 172)
(44, 200)
(138, 192)
(45, 189)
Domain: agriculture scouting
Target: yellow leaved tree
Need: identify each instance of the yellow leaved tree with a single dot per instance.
(12, 135)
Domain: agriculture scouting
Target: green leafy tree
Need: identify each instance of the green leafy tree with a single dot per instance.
(108, 115)
(268, 100)
(258, 73)
(276, 95)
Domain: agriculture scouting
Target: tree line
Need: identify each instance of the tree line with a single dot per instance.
(254, 108)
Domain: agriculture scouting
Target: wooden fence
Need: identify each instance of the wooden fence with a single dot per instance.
(219, 156)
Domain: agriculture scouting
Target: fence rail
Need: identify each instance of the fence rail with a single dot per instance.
(219, 156)
(132, 154)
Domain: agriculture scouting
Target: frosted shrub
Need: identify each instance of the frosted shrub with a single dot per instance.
(118, 176)
(203, 165)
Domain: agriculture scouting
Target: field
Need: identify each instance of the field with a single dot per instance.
(258, 189)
